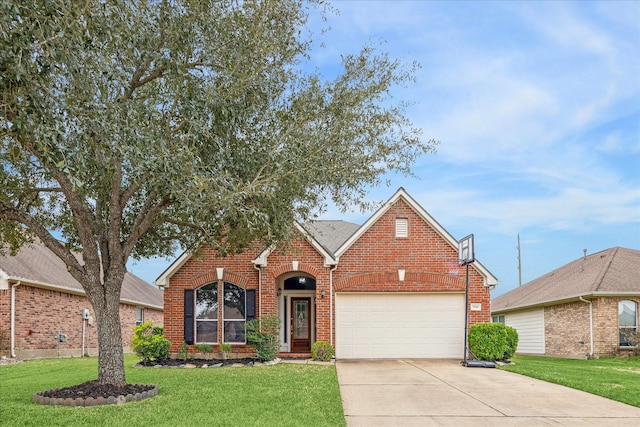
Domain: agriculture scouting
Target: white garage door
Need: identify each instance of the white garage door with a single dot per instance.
(377, 326)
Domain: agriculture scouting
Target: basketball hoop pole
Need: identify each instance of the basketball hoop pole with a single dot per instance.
(466, 256)
(466, 312)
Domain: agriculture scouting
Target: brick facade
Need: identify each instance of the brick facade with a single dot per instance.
(567, 329)
(370, 264)
(41, 313)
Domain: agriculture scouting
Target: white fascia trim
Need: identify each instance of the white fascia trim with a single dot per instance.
(261, 260)
(163, 280)
(329, 260)
(48, 286)
(4, 281)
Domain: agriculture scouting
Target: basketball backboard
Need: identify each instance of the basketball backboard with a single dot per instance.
(465, 250)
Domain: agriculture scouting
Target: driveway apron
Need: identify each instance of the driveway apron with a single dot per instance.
(444, 393)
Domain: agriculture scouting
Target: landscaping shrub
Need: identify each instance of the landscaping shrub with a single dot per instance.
(203, 348)
(150, 345)
(492, 341)
(262, 334)
(321, 350)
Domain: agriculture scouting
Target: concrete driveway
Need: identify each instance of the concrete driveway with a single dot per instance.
(444, 393)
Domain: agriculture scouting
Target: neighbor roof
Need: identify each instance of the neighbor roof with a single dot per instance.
(612, 272)
(36, 265)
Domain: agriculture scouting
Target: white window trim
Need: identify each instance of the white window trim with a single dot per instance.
(196, 320)
(141, 311)
(244, 321)
(633, 328)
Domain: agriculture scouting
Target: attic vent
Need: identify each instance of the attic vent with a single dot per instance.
(402, 227)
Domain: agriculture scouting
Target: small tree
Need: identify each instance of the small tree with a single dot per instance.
(262, 334)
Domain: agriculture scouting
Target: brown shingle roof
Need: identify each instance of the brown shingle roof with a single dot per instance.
(37, 265)
(610, 272)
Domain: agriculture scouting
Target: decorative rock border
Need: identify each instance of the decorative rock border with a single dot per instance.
(90, 401)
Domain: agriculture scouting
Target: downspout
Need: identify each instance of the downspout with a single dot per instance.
(590, 324)
(13, 318)
(331, 270)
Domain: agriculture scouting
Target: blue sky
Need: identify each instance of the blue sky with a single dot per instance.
(537, 107)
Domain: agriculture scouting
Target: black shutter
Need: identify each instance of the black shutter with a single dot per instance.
(188, 316)
(251, 304)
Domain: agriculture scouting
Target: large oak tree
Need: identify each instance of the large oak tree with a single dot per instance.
(131, 128)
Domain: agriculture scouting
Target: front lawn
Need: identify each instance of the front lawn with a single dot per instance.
(279, 395)
(614, 378)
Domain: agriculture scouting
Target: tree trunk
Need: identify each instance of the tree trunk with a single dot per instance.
(110, 353)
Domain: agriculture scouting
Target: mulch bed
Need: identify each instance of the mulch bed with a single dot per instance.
(93, 393)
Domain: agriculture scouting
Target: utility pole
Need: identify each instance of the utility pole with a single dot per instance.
(519, 264)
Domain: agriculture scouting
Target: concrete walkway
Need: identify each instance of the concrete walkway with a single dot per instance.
(444, 393)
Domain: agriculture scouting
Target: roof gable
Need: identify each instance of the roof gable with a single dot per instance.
(401, 194)
(614, 271)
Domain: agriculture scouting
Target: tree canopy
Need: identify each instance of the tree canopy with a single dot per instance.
(129, 128)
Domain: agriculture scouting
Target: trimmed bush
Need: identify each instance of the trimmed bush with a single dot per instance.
(262, 334)
(150, 345)
(492, 341)
(321, 350)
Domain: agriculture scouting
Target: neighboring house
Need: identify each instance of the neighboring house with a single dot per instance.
(392, 287)
(583, 309)
(39, 300)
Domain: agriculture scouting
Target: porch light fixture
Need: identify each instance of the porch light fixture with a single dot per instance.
(279, 292)
(322, 293)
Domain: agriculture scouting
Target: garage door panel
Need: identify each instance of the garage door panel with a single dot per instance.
(399, 325)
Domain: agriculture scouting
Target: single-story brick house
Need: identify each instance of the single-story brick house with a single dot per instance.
(39, 298)
(582, 309)
(392, 287)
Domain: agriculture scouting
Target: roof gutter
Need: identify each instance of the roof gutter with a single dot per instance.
(590, 324)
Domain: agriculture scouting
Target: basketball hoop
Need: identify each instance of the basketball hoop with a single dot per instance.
(465, 250)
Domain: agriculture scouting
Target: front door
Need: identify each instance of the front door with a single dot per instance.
(300, 324)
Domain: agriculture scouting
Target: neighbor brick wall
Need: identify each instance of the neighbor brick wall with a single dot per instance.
(565, 325)
(606, 328)
(40, 313)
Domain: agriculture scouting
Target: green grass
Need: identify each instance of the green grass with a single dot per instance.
(614, 378)
(279, 395)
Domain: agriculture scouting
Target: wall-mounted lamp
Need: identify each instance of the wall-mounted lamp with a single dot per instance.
(294, 265)
(279, 292)
(220, 272)
(322, 293)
